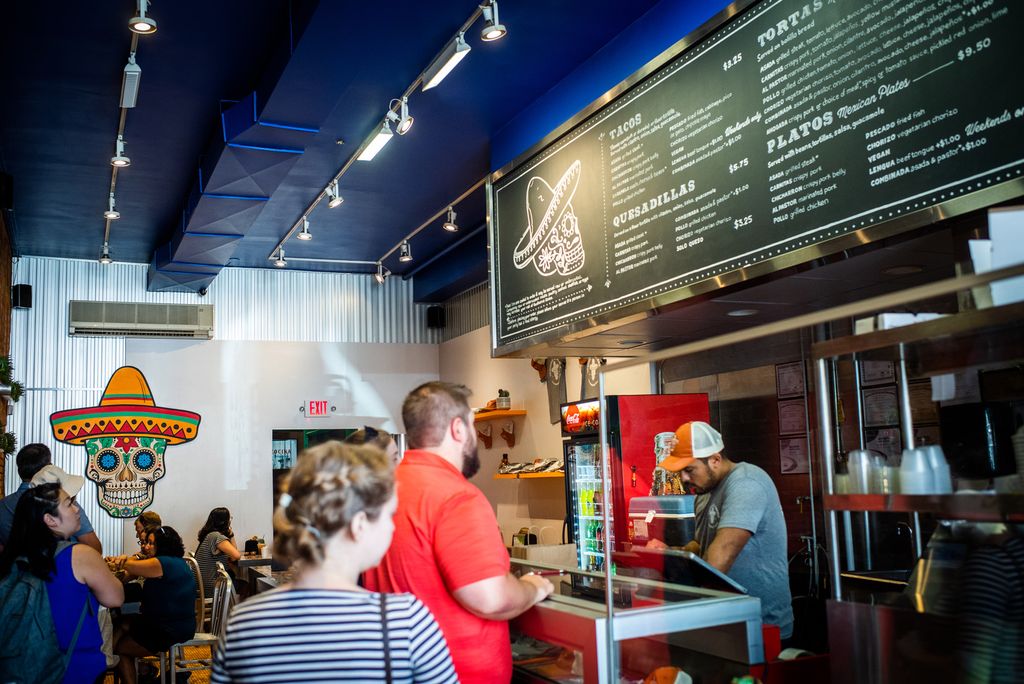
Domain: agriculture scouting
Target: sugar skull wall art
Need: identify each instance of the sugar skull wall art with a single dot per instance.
(126, 437)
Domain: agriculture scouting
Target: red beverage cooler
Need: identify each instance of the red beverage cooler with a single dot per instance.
(632, 423)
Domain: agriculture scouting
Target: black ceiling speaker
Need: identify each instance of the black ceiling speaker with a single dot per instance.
(21, 296)
(435, 316)
(6, 191)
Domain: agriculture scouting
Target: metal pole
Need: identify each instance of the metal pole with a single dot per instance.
(815, 570)
(860, 445)
(606, 488)
(831, 531)
(848, 545)
(907, 420)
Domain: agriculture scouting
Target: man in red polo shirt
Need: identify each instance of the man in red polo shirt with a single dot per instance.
(447, 549)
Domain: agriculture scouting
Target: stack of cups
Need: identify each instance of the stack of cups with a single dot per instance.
(942, 479)
(915, 472)
(859, 462)
(925, 471)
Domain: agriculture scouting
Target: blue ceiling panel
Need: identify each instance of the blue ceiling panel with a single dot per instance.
(252, 73)
(207, 249)
(245, 172)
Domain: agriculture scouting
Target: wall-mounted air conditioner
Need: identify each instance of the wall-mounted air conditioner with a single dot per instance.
(130, 319)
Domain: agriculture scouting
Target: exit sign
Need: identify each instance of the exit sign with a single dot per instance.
(317, 407)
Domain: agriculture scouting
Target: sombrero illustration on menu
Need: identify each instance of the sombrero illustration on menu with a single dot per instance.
(125, 437)
(552, 241)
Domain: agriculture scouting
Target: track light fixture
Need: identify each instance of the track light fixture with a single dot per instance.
(403, 122)
(105, 255)
(120, 159)
(493, 28)
(450, 224)
(130, 83)
(382, 274)
(453, 53)
(332, 192)
(141, 23)
(379, 141)
(111, 214)
(304, 234)
(279, 261)
(405, 252)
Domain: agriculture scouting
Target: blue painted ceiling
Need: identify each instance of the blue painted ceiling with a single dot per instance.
(332, 66)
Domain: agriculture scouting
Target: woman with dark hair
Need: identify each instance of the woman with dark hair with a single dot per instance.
(168, 610)
(216, 543)
(76, 576)
(371, 436)
(334, 522)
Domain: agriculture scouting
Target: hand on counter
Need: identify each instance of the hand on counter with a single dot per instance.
(542, 586)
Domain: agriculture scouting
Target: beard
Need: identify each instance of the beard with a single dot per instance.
(470, 460)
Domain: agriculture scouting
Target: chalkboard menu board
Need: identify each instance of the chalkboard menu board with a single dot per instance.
(797, 122)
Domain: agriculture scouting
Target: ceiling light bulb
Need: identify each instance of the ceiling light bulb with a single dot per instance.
(111, 214)
(105, 255)
(279, 261)
(493, 28)
(450, 224)
(742, 313)
(453, 53)
(405, 251)
(381, 275)
(120, 159)
(304, 234)
(378, 142)
(332, 192)
(402, 122)
(405, 121)
(141, 23)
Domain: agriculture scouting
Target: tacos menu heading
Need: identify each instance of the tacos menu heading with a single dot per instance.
(795, 123)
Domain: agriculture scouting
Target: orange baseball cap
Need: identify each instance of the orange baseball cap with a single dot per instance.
(694, 440)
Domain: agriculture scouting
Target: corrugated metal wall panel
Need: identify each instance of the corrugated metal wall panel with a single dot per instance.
(59, 371)
(467, 311)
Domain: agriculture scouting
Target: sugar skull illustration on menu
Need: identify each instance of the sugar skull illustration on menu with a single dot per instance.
(126, 437)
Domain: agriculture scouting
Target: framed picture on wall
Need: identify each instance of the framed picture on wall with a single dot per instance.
(922, 408)
(877, 373)
(885, 441)
(881, 406)
(792, 417)
(927, 435)
(793, 455)
(789, 380)
(284, 453)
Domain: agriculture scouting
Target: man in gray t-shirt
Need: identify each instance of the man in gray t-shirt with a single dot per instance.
(740, 526)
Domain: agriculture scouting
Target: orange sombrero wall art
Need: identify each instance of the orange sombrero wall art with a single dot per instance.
(125, 437)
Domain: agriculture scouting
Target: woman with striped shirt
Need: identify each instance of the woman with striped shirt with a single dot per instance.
(334, 522)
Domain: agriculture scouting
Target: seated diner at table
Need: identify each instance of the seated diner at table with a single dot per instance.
(216, 543)
(168, 609)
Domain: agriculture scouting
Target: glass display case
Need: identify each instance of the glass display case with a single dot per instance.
(653, 623)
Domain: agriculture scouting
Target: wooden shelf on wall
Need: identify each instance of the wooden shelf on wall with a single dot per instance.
(495, 415)
(526, 476)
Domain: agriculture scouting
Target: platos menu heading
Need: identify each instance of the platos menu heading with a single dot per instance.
(795, 123)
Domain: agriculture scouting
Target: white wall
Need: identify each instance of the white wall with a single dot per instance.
(536, 503)
(245, 390)
(254, 305)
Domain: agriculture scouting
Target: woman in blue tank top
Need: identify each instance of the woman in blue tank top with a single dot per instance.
(74, 573)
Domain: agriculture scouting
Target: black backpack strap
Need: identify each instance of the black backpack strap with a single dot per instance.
(86, 609)
(384, 631)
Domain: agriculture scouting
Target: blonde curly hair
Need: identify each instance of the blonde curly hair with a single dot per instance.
(330, 484)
